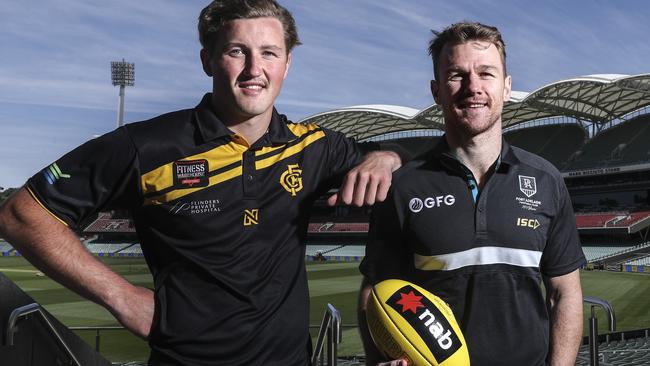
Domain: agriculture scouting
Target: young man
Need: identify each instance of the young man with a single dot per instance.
(220, 195)
(481, 223)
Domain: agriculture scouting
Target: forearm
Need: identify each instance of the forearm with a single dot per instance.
(55, 250)
(566, 325)
(373, 356)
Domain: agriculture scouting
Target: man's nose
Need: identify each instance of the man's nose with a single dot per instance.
(473, 83)
(253, 65)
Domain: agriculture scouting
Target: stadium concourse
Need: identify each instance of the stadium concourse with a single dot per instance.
(595, 129)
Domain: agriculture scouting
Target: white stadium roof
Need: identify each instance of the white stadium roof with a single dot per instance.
(595, 99)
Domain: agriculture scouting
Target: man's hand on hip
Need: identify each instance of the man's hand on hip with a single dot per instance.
(135, 310)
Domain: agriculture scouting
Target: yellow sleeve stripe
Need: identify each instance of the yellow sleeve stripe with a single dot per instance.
(300, 129)
(265, 163)
(297, 129)
(178, 193)
(45, 208)
(268, 149)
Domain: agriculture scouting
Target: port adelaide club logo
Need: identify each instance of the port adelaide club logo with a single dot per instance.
(425, 318)
(527, 185)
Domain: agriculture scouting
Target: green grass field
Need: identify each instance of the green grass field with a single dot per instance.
(335, 283)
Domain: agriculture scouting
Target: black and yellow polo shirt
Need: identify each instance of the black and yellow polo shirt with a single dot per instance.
(221, 225)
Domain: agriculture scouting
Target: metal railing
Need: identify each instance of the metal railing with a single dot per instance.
(331, 326)
(24, 312)
(97, 331)
(593, 325)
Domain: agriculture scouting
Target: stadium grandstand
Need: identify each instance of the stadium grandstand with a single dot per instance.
(595, 129)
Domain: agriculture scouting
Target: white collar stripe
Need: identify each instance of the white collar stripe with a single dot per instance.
(477, 257)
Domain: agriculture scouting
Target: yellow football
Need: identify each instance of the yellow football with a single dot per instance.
(407, 321)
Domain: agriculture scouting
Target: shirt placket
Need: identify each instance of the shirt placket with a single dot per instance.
(249, 175)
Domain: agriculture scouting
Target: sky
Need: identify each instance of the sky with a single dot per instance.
(56, 92)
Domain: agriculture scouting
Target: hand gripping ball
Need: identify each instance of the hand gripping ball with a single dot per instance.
(407, 321)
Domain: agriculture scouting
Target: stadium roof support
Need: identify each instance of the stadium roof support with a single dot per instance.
(594, 99)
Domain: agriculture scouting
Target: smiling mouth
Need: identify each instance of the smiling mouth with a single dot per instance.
(472, 105)
(252, 85)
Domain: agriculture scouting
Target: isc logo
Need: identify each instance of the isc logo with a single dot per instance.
(531, 223)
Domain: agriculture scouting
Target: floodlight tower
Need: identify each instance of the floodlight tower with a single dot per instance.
(122, 74)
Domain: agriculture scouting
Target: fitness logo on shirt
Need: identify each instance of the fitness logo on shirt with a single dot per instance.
(191, 173)
(291, 179)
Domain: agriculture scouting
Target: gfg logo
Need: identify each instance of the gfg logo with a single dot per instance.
(416, 205)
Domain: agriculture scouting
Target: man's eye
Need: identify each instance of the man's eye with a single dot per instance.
(455, 77)
(235, 52)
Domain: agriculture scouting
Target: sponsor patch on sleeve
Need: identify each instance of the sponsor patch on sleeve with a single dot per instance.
(191, 173)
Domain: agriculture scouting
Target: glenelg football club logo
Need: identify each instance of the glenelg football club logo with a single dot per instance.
(291, 179)
(527, 185)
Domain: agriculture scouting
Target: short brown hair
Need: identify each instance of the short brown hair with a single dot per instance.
(463, 32)
(214, 16)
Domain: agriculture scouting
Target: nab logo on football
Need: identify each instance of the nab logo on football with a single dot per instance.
(430, 324)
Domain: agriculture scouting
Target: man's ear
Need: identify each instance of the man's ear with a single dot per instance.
(205, 61)
(286, 72)
(434, 90)
(507, 88)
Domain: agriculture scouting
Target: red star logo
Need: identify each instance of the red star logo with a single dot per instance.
(410, 301)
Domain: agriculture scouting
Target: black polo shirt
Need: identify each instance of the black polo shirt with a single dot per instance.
(484, 256)
(221, 226)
